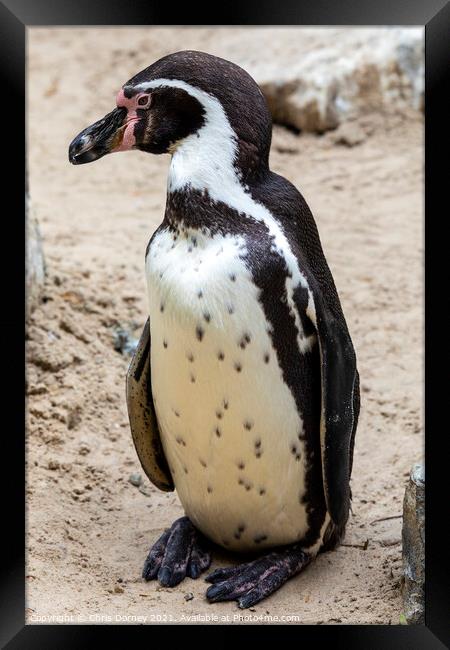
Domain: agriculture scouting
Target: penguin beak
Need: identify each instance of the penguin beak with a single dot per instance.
(100, 138)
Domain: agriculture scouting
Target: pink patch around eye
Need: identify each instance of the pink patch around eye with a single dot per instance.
(128, 138)
(131, 104)
(143, 101)
(123, 101)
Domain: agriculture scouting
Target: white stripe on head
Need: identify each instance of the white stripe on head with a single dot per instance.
(206, 159)
(207, 155)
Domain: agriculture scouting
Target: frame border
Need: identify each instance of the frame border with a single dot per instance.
(15, 16)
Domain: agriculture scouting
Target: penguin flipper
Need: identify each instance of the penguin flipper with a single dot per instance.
(340, 407)
(142, 416)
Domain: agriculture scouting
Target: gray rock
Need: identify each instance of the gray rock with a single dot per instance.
(135, 479)
(413, 538)
(34, 264)
(124, 342)
(146, 489)
(320, 78)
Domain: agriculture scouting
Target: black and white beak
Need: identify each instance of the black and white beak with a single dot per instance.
(100, 138)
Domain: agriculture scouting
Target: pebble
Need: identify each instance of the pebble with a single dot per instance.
(135, 479)
(189, 596)
(146, 490)
(124, 342)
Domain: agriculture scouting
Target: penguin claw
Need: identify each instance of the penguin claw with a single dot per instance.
(193, 570)
(218, 575)
(165, 576)
(199, 561)
(250, 583)
(155, 557)
(176, 554)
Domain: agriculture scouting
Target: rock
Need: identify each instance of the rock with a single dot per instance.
(189, 596)
(146, 490)
(320, 78)
(124, 342)
(35, 266)
(413, 538)
(135, 479)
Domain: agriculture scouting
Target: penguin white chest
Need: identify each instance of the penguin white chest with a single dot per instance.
(229, 424)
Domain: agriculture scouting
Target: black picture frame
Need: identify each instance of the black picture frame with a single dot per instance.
(15, 16)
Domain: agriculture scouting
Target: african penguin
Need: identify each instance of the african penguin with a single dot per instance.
(243, 393)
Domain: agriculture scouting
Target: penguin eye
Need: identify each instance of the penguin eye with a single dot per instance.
(144, 100)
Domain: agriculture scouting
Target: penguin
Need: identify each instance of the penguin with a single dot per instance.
(243, 393)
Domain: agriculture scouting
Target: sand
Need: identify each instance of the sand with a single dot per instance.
(88, 527)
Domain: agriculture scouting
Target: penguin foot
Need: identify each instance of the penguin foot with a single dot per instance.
(178, 553)
(252, 582)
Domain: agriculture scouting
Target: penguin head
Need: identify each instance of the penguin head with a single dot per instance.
(189, 102)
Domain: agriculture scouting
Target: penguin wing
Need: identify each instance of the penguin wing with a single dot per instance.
(142, 416)
(340, 406)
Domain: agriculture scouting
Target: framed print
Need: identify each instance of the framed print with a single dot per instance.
(240, 457)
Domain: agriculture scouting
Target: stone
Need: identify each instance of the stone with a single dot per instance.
(316, 79)
(124, 342)
(135, 479)
(413, 539)
(34, 265)
(146, 489)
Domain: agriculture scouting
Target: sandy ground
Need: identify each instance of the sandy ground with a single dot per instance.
(88, 527)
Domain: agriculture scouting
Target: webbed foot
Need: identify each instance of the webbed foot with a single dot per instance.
(252, 582)
(178, 553)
